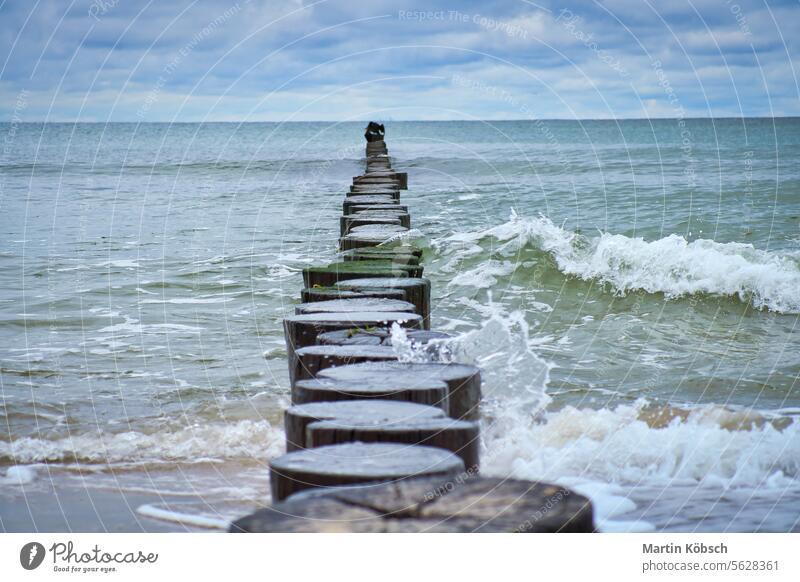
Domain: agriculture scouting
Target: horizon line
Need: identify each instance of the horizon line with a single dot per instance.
(686, 118)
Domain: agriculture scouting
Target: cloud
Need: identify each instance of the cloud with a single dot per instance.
(125, 60)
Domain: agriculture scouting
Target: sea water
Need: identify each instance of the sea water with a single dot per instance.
(630, 288)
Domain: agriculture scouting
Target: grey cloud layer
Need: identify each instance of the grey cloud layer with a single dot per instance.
(133, 60)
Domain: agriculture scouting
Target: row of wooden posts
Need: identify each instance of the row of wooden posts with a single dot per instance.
(374, 444)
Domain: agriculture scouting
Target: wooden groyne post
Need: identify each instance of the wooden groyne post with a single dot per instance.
(374, 444)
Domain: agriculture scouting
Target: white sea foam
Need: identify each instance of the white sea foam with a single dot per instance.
(19, 475)
(245, 439)
(189, 519)
(189, 300)
(619, 446)
(671, 265)
(502, 348)
(607, 453)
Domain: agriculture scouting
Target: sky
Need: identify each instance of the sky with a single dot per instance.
(340, 60)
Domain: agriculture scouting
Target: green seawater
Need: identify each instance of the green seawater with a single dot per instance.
(632, 289)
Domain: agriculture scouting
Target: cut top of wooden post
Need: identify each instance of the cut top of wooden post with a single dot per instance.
(430, 504)
(311, 359)
(354, 413)
(357, 463)
(428, 391)
(368, 304)
(375, 337)
(463, 380)
(360, 320)
(313, 294)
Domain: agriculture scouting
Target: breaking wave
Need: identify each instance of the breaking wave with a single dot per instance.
(671, 265)
(245, 439)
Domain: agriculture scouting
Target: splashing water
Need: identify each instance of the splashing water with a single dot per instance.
(511, 372)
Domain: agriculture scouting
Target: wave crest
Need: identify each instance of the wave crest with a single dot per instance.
(245, 439)
(671, 265)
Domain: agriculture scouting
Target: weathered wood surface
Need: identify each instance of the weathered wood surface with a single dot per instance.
(403, 217)
(331, 423)
(302, 330)
(376, 201)
(387, 174)
(403, 177)
(365, 239)
(356, 208)
(360, 305)
(362, 218)
(376, 145)
(460, 437)
(329, 275)
(357, 463)
(401, 247)
(463, 380)
(347, 222)
(388, 229)
(366, 187)
(370, 200)
(418, 291)
(311, 359)
(398, 257)
(429, 504)
(360, 197)
(388, 253)
(421, 390)
(314, 294)
(394, 212)
(354, 337)
(376, 186)
(370, 179)
(399, 178)
(377, 337)
(360, 412)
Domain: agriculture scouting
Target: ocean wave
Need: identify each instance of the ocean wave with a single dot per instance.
(671, 265)
(709, 445)
(244, 440)
(628, 444)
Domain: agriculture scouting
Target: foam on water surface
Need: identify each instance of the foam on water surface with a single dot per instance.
(608, 453)
(671, 265)
(243, 439)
